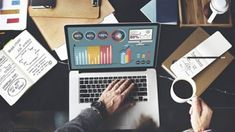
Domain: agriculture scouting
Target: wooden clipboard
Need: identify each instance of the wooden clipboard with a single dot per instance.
(52, 29)
(68, 9)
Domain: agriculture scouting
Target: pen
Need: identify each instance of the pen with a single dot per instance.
(206, 57)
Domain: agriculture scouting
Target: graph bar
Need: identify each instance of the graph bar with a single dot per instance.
(15, 2)
(13, 20)
(128, 53)
(123, 55)
(93, 55)
(5, 12)
(111, 54)
(93, 52)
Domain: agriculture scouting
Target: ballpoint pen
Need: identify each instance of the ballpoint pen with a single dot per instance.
(205, 57)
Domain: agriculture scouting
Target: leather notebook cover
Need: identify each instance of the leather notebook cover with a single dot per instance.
(68, 8)
(210, 73)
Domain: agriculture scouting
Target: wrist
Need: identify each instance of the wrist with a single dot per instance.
(99, 107)
(191, 130)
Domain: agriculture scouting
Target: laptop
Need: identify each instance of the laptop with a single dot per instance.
(101, 53)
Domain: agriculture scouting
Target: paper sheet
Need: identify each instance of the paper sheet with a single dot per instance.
(215, 45)
(13, 15)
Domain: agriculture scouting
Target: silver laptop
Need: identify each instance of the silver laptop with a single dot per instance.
(101, 53)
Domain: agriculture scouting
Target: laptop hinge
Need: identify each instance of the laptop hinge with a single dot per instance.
(112, 70)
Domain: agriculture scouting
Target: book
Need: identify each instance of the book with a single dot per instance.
(161, 11)
(68, 9)
(41, 4)
(13, 14)
(23, 61)
(205, 77)
(167, 11)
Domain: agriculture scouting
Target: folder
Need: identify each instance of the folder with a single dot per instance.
(210, 73)
(68, 8)
(52, 29)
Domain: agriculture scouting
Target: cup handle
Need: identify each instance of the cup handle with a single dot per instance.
(190, 102)
(212, 17)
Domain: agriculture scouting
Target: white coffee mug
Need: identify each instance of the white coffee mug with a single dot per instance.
(176, 97)
(217, 7)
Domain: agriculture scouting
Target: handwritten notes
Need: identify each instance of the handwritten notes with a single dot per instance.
(215, 45)
(23, 61)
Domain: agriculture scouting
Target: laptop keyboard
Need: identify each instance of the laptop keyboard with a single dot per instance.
(92, 87)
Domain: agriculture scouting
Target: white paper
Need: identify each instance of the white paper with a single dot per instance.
(150, 11)
(30, 56)
(110, 19)
(214, 46)
(23, 61)
(13, 15)
(13, 82)
(62, 52)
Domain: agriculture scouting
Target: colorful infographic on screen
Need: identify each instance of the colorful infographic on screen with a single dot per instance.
(112, 46)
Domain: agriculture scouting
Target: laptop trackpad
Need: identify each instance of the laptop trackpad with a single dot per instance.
(130, 118)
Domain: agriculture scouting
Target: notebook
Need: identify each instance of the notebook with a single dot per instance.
(205, 77)
(99, 54)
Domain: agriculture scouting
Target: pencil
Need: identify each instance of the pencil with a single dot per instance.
(206, 57)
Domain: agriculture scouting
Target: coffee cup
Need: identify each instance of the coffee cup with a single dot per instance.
(217, 7)
(183, 89)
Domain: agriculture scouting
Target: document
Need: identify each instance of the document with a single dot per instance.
(13, 14)
(23, 61)
(215, 46)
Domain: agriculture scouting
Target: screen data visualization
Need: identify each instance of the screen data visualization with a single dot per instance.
(111, 45)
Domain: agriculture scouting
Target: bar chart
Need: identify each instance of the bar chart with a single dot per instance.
(126, 56)
(92, 55)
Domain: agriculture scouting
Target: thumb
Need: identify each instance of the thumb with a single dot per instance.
(196, 107)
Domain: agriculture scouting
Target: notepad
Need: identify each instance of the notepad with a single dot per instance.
(215, 45)
(205, 77)
(23, 61)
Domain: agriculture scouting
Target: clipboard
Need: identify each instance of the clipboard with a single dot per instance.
(68, 9)
(54, 33)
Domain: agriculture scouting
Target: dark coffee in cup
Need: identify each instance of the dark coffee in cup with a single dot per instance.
(183, 89)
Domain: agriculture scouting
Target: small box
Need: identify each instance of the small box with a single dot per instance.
(191, 14)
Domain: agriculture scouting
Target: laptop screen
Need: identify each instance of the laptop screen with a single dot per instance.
(112, 45)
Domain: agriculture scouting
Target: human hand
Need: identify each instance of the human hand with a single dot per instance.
(201, 115)
(115, 93)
